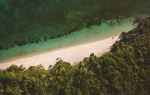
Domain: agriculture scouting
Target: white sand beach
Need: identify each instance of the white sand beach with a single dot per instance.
(71, 54)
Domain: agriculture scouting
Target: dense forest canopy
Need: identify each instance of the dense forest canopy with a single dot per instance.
(31, 21)
(125, 70)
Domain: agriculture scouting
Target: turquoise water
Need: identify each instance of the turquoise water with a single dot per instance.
(89, 34)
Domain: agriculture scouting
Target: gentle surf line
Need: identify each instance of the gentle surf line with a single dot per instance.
(85, 35)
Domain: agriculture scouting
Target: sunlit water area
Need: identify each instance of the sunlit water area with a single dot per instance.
(93, 33)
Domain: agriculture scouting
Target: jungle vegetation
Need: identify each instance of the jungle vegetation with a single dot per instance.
(30, 21)
(125, 70)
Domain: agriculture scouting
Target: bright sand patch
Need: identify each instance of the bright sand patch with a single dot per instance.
(72, 54)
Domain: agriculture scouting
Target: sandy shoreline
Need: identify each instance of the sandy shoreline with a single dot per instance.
(71, 54)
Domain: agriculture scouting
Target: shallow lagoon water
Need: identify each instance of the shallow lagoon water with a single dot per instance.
(86, 35)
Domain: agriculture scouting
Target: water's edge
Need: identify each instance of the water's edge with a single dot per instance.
(93, 33)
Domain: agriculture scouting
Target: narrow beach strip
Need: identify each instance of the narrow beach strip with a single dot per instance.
(71, 54)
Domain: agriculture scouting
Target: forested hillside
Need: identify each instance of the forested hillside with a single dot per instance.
(31, 21)
(125, 70)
